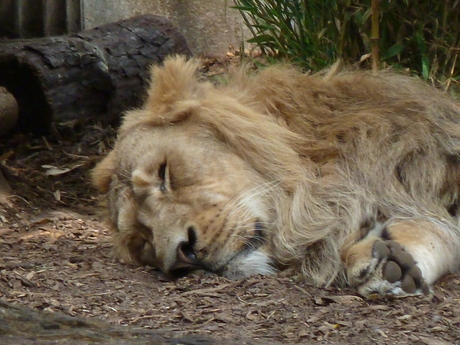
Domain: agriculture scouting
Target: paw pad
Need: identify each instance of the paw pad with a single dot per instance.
(392, 272)
(400, 267)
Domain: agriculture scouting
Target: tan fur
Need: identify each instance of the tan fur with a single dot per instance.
(310, 159)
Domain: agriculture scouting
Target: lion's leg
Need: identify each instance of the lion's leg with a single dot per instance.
(401, 258)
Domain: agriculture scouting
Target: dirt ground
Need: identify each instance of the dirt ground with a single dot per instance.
(55, 255)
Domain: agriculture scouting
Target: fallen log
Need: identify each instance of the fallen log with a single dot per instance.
(20, 325)
(95, 73)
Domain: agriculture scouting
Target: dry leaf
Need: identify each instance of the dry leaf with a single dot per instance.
(57, 195)
(55, 171)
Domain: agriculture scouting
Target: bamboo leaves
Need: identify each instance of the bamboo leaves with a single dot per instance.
(422, 36)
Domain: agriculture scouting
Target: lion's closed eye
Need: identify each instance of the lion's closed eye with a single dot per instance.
(162, 175)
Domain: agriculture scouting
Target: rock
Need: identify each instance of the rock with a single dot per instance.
(8, 111)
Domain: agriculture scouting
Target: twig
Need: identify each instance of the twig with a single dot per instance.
(452, 69)
(375, 36)
(208, 290)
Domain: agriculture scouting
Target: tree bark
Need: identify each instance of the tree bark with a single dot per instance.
(96, 73)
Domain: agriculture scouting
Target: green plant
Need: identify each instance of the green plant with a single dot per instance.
(422, 36)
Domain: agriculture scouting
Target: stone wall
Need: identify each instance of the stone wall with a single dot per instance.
(38, 18)
(209, 26)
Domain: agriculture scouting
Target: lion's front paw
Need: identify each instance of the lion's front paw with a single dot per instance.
(399, 267)
(389, 271)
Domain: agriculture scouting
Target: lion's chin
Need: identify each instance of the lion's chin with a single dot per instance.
(244, 265)
(248, 264)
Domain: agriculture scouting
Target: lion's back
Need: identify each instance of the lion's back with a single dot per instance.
(395, 134)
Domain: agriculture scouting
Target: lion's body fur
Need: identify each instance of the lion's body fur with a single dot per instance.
(340, 149)
(392, 142)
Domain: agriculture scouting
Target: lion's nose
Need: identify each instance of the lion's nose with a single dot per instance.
(185, 255)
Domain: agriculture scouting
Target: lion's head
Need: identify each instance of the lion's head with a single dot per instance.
(191, 178)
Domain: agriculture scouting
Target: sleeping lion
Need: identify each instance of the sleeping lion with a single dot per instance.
(347, 178)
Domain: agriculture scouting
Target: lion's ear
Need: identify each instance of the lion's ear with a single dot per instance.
(173, 94)
(101, 176)
(175, 81)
